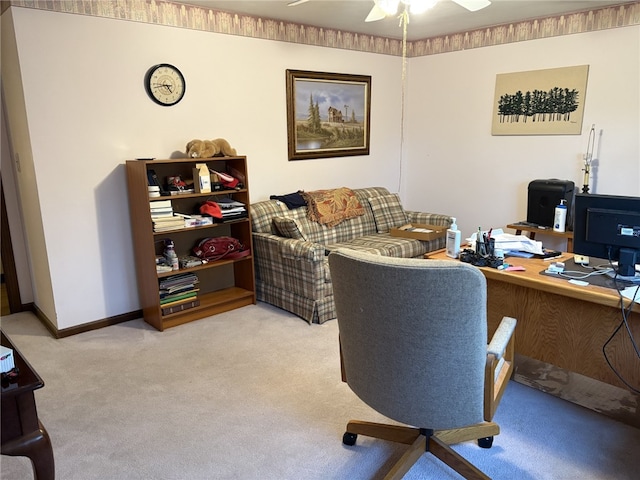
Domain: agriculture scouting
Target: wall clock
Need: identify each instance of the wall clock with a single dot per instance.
(165, 84)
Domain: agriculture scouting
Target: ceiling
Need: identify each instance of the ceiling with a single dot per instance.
(445, 17)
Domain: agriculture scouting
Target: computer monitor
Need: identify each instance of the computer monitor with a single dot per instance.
(608, 226)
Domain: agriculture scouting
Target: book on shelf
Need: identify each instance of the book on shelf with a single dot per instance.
(227, 202)
(161, 224)
(232, 210)
(167, 218)
(175, 289)
(160, 210)
(172, 299)
(161, 215)
(168, 228)
(178, 278)
(186, 305)
(160, 204)
(168, 224)
(177, 281)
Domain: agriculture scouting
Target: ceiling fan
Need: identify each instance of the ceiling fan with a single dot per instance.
(384, 8)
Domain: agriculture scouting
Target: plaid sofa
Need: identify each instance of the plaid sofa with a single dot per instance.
(290, 251)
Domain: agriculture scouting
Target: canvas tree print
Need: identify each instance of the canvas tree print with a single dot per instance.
(540, 102)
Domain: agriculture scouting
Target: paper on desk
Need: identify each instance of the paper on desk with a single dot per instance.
(508, 241)
(630, 292)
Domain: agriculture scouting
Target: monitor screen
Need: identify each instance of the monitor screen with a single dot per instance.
(608, 227)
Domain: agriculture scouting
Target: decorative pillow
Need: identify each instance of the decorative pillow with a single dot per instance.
(330, 207)
(288, 228)
(387, 212)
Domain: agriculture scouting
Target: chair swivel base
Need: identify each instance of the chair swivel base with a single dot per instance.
(424, 440)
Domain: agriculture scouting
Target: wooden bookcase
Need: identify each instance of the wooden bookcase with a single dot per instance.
(224, 284)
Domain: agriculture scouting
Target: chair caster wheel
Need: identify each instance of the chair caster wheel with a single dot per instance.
(485, 442)
(349, 438)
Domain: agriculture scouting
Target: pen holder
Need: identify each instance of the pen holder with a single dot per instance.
(486, 247)
(490, 247)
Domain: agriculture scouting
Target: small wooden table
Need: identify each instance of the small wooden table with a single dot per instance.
(22, 433)
(520, 227)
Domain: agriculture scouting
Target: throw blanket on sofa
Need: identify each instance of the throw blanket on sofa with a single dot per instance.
(330, 207)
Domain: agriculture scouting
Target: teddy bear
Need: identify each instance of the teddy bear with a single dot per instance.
(210, 148)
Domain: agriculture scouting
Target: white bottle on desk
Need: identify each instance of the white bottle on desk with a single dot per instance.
(560, 218)
(453, 239)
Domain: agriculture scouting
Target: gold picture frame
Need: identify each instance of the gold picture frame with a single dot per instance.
(540, 102)
(328, 114)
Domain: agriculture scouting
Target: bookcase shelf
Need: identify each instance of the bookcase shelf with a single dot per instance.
(222, 285)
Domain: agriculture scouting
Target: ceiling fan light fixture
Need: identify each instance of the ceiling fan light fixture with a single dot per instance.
(473, 5)
(420, 6)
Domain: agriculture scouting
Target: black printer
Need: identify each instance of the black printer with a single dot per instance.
(543, 198)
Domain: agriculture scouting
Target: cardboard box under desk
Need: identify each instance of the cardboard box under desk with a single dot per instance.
(419, 231)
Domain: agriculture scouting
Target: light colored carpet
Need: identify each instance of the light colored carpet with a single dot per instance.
(256, 394)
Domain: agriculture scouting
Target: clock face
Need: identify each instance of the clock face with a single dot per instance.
(165, 84)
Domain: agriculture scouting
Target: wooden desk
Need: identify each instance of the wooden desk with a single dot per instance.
(22, 433)
(519, 228)
(564, 325)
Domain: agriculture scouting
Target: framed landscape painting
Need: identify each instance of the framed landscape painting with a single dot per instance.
(328, 114)
(540, 102)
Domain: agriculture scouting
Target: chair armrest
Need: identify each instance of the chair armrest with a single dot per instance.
(501, 337)
(499, 366)
(291, 265)
(289, 247)
(428, 218)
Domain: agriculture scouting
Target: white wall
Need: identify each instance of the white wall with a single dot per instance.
(457, 167)
(87, 113)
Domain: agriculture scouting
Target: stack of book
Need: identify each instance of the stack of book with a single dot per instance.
(163, 217)
(231, 209)
(178, 293)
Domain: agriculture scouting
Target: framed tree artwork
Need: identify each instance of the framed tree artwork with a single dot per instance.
(540, 102)
(328, 114)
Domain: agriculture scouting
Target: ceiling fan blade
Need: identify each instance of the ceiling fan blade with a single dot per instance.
(296, 2)
(375, 14)
(473, 5)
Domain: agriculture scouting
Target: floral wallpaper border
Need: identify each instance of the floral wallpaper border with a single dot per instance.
(193, 17)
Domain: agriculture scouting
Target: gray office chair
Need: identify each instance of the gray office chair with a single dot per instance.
(413, 343)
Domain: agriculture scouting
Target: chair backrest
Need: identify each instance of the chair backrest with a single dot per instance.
(413, 335)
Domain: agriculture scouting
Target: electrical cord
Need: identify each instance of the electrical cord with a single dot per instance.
(625, 321)
(577, 275)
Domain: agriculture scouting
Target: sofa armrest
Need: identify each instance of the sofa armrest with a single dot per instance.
(292, 265)
(428, 218)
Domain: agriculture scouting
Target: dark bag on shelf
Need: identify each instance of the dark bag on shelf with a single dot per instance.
(217, 248)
